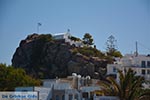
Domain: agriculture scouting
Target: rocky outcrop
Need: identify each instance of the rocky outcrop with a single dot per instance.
(43, 57)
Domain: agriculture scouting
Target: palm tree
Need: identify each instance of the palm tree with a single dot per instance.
(144, 94)
(127, 88)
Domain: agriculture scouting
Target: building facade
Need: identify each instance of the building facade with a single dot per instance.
(67, 39)
(73, 87)
(140, 64)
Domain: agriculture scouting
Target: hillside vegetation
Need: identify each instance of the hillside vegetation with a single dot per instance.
(11, 77)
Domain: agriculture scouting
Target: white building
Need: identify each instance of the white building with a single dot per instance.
(140, 64)
(67, 39)
(73, 87)
(65, 36)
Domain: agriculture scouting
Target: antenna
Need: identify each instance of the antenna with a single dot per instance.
(136, 52)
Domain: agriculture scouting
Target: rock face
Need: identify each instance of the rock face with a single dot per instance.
(43, 57)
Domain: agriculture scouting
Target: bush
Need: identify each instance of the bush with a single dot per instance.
(89, 51)
(45, 37)
(11, 77)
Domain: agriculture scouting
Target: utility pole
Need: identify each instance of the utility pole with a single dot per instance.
(136, 52)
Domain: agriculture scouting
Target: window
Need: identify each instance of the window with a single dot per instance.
(148, 71)
(70, 97)
(57, 97)
(76, 96)
(143, 71)
(63, 97)
(114, 69)
(148, 63)
(143, 64)
(85, 94)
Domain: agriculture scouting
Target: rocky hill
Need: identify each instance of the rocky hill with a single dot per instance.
(43, 57)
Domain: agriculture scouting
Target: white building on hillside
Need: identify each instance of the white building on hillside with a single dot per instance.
(65, 36)
(67, 39)
(140, 64)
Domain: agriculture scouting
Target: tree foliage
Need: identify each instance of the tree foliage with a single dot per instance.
(112, 47)
(111, 44)
(89, 51)
(45, 37)
(144, 94)
(11, 78)
(88, 39)
(128, 87)
(114, 54)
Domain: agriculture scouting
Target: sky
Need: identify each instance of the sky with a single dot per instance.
(127, 20)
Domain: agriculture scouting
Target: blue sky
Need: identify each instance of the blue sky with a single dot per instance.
(127, 20)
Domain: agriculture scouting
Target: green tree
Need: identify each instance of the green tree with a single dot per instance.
(11, 77)
(112, 47)
(111, 44)
(88, 39)
(114, 54)
(127, 88)
(144, 94)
